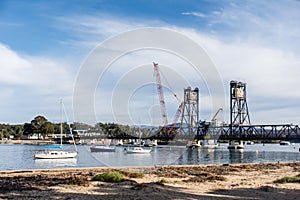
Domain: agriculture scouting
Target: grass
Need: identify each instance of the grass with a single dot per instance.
(162, 182)
(132, 174)
(288, 179)
(203, 177)
(109, 177)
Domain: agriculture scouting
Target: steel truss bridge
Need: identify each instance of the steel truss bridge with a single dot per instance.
(239, 128)
(252, 132)
(243, 132)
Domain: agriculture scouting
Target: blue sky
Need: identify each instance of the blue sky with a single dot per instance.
(43, 45)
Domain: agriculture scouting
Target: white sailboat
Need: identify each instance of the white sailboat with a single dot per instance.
(139, 149)
(58, 154)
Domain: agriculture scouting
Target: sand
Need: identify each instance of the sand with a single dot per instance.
(234, 181)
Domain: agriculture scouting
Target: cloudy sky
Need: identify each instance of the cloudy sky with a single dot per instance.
(44, 46)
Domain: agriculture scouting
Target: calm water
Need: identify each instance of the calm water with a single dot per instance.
(14, 157)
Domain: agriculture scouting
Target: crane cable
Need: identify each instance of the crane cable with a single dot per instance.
(171, 89)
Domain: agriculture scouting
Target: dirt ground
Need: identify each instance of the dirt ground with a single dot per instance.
(234, 181)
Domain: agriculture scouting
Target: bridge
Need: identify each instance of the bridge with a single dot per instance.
(239, 128)
(253, 132)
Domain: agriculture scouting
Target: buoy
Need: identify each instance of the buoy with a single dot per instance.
(256, 151)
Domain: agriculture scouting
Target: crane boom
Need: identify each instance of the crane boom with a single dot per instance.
(177, 115)
(215, 116)
(161, 95)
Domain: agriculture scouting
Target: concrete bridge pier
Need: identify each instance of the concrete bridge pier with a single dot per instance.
(233, 145)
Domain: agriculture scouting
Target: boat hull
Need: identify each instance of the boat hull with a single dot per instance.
(284, 143)
(137, 150)
(102, 149)
(55, 155)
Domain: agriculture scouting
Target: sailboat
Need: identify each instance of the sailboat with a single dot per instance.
(137, 149)
(58, 154)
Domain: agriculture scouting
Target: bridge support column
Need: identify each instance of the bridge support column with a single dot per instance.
(231, 144)
(240, 145)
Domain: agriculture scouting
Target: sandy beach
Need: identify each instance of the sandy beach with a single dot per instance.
(234, 181)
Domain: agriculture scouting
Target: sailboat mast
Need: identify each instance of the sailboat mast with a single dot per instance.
(61, 128)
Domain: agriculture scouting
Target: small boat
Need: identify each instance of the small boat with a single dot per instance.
(94, 148)
(285, 143)
(58, 154)
(137, 150)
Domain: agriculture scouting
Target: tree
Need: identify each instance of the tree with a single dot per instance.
(27, 129)
(18, 132)
(47, 128)
(37, 124)
(5, 133)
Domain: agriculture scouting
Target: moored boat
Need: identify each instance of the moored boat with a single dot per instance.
(94, 148)
(54, 154)
(137, 150)
(58, 154)
(285, 143)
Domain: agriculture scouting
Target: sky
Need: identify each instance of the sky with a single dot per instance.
(46, 45)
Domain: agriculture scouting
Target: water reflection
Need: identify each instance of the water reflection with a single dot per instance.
(236, 155)
(55, 163)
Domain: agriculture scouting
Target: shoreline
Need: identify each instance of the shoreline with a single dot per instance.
(211, 181)
(29, 142)
(144, 167)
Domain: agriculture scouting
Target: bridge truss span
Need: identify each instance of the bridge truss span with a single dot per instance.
(261, 132)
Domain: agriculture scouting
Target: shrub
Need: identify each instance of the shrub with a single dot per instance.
(288, 179)
(109, 177)
(162, 182)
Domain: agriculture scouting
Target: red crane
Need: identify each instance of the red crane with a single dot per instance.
(161, 95)
(162, 102)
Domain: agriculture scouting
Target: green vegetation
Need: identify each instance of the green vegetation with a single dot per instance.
(162, 182)
(109, 177)
(44, 129)
(288, 179)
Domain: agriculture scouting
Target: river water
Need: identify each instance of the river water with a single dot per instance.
(21, 157)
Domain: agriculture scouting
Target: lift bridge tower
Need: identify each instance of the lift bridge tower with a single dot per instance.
(190, 113)
(239, 114)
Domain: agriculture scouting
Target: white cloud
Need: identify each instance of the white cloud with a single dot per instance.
(33, 85)
(41, 73)
(90, 30)
(12, 66)
(196, 14)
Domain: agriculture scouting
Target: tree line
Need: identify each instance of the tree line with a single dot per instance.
(43, 128)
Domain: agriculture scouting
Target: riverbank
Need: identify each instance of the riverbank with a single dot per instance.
(234, 181)
(33, 142)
